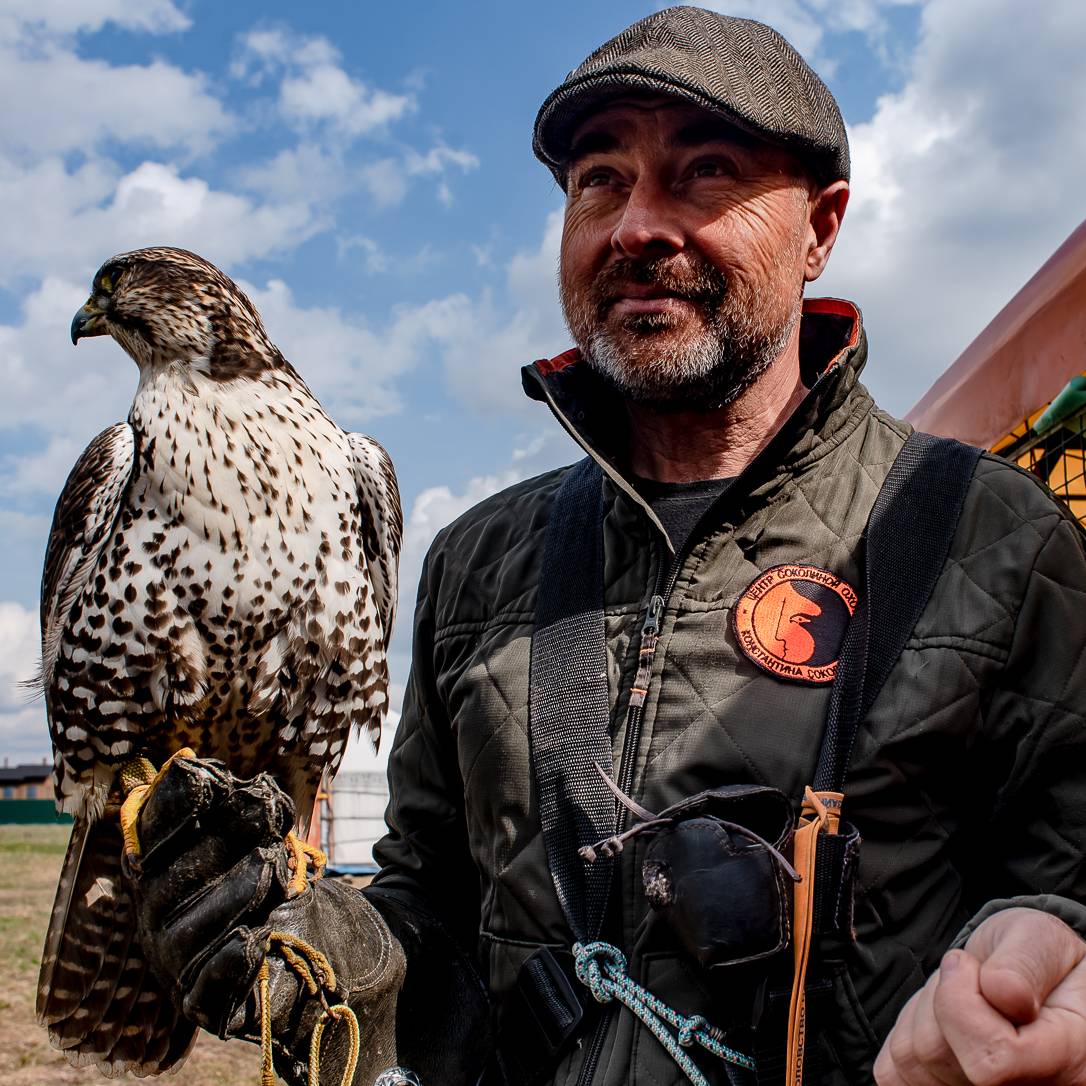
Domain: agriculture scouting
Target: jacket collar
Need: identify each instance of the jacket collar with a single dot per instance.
(833, 350)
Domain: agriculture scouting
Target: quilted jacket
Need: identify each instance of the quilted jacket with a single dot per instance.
(968, 779)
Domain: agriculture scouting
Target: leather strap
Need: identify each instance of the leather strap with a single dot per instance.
(819, 816)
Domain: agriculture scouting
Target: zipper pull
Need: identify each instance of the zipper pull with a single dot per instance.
(650, 628)
(651, 624)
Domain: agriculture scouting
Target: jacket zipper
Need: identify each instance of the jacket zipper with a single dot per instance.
(650, 636)
(646, 652)
(663, 586)
(595, 1049)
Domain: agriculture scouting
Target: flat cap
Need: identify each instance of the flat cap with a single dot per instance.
(739, 68)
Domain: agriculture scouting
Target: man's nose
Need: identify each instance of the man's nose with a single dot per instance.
(649, 225)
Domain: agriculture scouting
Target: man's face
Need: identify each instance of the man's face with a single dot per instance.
(683, 252)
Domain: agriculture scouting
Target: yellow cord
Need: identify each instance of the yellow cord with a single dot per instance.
(316, 974)
(340, 1010)
(267, 1067)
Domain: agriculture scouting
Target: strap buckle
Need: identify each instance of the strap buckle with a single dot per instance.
(539, 1018)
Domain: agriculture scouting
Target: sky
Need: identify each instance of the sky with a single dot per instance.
(364, 171)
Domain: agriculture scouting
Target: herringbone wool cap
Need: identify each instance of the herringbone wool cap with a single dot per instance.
(739, 68)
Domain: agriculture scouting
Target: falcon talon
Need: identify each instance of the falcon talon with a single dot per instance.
(302, 855)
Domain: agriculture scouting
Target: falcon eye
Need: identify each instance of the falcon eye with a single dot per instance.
(106, 283)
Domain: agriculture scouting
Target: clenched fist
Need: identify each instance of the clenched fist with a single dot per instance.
(1008, 1008)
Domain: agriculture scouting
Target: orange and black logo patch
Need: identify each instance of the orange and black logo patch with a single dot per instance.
(792, 621)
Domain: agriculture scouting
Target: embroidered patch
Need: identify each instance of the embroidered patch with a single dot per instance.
(791, 621)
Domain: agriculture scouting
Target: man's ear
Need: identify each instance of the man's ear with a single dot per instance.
(826, 208)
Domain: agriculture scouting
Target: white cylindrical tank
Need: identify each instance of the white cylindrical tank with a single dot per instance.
(356, 819)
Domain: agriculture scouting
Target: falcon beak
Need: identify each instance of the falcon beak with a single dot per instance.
(88, 322)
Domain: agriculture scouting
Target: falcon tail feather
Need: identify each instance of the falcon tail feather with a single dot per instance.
(48, 1005)
(94, 984)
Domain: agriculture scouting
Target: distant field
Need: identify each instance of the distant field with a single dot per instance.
(30, 858)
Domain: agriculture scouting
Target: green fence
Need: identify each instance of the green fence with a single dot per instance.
(23, 811)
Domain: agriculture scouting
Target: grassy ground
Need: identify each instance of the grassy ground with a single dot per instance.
(30, 858)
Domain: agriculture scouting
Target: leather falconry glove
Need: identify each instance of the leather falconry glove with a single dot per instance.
(210, 894)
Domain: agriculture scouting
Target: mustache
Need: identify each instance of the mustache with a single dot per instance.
(694, 281)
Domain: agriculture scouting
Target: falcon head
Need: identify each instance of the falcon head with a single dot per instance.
(166, 306)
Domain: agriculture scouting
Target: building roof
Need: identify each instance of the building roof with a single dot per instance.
(1029, 351)
(16, 774)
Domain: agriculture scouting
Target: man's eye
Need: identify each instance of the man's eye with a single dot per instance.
(710, 168)
(594, 178)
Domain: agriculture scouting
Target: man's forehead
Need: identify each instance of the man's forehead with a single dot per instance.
(615, 123)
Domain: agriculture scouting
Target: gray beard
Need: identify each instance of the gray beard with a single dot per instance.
(740, 338)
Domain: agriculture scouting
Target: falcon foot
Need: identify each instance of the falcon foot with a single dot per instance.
(302, 855)
(138, 777)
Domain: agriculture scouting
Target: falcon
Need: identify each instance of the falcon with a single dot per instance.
(221, 574)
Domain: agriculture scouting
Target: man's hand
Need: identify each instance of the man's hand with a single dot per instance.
(1009, 1008)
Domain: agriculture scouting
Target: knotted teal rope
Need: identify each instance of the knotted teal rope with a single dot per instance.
(602, 969)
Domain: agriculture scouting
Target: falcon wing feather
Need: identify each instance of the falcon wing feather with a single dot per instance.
(82, 524)
(382, 527)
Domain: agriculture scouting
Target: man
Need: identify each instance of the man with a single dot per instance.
(706, 173)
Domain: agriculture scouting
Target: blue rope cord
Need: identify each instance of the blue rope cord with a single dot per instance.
(602, 969)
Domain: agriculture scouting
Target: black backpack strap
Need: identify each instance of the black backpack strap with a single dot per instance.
(905, 547)
(569, 735)
(569, 709)
(906, 544)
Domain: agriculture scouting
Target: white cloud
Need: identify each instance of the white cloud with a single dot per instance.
(489, 340)
(23, 732)
(348, 364)
(385, 180)
(26, 17)
(438, 159)
(68, 205)
(50, 384)
(374, 257)
(314, 87)
(20, 654)
(963, 184)
(21, 527)
(60, 101)
(154, 201)
(388, 179)
(38, 472)
(806, 23)
(69, 103)
(327, 93)
(332, 110)
(319, 173)
(72, 221)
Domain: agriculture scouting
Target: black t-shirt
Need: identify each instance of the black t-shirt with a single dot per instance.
(680, 506)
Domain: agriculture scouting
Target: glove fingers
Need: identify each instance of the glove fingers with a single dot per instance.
(186, 790)
(200, 825)
(219, 987)
(196, 926)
